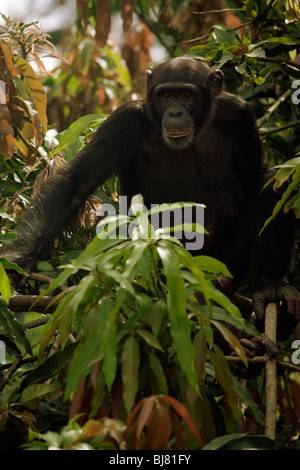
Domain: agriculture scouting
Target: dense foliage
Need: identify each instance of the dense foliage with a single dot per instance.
(106, 346)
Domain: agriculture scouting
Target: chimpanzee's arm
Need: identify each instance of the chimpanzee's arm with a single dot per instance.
(61, 196)
(264, 258)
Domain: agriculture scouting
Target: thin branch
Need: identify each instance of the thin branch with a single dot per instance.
(273, 108)
(31, 147)
(34, 323)
(11, 370)
(263, 359)
(155, 32)
(274, 60)
(45, 280)
(28, 360)
(208, 12)
(200, 38)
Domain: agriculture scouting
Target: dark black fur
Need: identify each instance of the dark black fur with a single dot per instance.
(222, 166)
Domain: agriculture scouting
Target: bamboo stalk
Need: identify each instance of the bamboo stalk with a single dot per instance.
(271, 373)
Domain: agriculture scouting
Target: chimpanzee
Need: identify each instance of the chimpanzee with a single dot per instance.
(188, 141)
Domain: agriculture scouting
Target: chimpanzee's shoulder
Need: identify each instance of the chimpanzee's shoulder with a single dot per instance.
(233, 108)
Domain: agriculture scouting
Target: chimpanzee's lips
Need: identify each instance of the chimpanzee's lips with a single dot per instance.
(178, 135)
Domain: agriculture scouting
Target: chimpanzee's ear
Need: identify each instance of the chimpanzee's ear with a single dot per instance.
(148, 74)
(215, 82)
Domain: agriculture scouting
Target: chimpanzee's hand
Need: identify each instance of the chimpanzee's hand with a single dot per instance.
(18, 256)
(254, 346)
(277, 293)
(289, 311)
(16, 265)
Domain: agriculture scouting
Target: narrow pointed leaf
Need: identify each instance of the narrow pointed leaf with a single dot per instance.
(130, 368)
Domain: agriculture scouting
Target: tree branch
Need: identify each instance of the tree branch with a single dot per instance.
(274, 130)
(20, 303)
(155, 31)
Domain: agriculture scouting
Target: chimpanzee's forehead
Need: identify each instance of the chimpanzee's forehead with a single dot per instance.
(181, 69)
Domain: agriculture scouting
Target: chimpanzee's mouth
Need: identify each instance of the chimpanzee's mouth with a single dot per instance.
(178, 135)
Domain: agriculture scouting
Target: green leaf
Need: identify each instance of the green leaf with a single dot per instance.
(248, 401)
(159, 376)
(130, 368)
(211, 265)
(108, 340)
(256, 52)
(231, 340)
(86, 55)
(222, 315)
(199, 343)
(157, 317)
(176, 302)
(224, 378)
(36, 391)
(134, 257)
(14, 326)
(5, 314)
(221, 299)
(5, 289)
(8, 265)
(82, 360)
(221, 35)
(281, 40)
(241, 442)
(222, 441)
(225, 57)
(293, 185)
(50, 367)
(36, 89)
(242, 68)
(149, 338)
(192, 265)
(76, 129)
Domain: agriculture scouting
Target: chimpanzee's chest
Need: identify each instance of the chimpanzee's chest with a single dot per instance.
(202, 173)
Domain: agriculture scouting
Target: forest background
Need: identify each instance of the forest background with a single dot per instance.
(96, 351)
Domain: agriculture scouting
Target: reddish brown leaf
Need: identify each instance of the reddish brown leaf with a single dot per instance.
(103, 20)
(77, 398)
(13, 69)
(183, 412)
(159, 428)
(145, 414)
(39, 180)
(134, 412)
(135, 423)
(95, 372)
(126, 7)
(136, 48)
(2, 70)
(6, 132)
(116, 396)
(177, 431)
(295, 391)
(82, 11)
